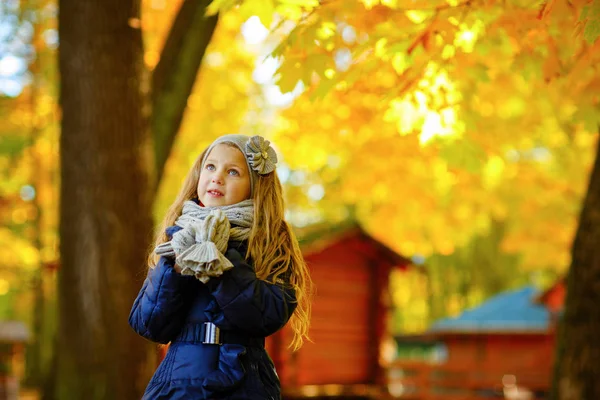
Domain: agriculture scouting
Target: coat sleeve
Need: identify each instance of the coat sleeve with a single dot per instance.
(247, 304)
(160, 309)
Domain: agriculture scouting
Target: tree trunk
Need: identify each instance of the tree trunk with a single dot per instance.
(175, 74)
(105, 207)
(578, 366)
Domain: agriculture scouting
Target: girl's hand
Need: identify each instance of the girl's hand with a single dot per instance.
(177, 268)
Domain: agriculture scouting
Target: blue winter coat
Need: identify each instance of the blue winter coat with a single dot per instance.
(172, 308)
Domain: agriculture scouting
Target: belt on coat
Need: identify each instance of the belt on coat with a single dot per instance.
(210, 334)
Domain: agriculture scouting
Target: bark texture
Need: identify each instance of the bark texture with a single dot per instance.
(578, 357)
(105, 207)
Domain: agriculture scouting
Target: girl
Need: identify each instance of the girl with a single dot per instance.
(226, 272)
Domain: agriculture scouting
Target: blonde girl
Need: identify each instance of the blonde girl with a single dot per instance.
(226, 272)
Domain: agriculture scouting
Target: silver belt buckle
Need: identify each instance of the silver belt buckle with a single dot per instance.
(212, 334)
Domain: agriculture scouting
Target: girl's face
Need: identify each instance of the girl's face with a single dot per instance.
(224, 179)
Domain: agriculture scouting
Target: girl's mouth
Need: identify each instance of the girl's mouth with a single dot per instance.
(214, 193)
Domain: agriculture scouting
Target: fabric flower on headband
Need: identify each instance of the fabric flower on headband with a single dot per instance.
(261, 155)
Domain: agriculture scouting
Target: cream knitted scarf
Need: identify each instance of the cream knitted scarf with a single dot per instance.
(198, 248)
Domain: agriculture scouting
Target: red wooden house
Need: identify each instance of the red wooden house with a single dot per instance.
(350, 270)
(13, 337)
(554, 297)
(503, 348)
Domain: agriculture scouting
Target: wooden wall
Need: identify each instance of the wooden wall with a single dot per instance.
(347, 320)
(509, 351)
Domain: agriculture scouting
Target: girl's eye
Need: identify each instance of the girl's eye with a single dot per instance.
(233, 172)
(209, 167)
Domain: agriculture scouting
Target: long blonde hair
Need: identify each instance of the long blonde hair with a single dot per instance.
(272, 246)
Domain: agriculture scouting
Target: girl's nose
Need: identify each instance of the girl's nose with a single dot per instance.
(216, 178)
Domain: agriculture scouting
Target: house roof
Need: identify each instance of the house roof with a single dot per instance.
(316, 238)
(512, 311)
(13, 332)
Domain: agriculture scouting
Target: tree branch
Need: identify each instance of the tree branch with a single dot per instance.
(175, 75)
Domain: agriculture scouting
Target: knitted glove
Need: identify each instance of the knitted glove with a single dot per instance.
(199, 248)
